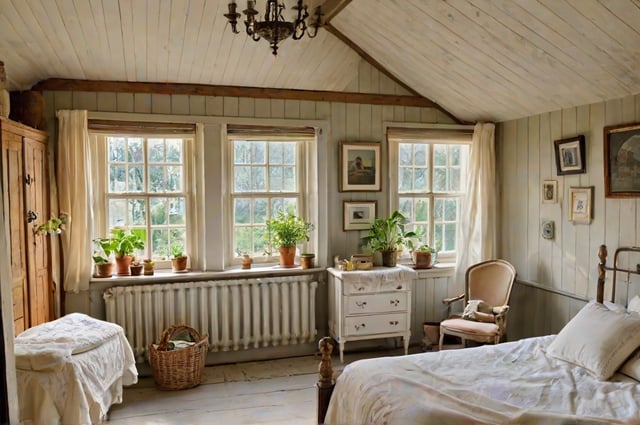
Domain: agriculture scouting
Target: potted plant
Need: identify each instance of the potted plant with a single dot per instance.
(306, 260)
(423, 257)
(148, 265)
(136, 267)
(178, 258)
(387, 235)
(125, 244)
(285, 231)
(102, 257)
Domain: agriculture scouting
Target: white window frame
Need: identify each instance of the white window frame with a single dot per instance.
(430, 136)
(304, 192)
(100, 184)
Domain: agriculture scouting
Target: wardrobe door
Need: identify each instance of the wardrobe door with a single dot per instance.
(15, 219)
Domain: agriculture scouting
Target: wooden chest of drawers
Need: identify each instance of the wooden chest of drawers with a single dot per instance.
(370, 304)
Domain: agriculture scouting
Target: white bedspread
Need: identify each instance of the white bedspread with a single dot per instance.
(71, 370)
(510, 383)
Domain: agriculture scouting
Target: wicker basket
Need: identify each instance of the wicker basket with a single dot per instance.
(182, 368)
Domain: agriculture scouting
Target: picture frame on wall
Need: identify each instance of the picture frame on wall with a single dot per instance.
(622, 161)
(359, 167)
(580, 204)
(570, 155)
(549, 191)
(358, 215)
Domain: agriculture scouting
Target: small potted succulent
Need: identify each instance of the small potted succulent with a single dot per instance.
(148, 264)
(178, 258)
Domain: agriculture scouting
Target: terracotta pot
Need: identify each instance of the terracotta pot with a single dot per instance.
(306, 261)
(104, 270)
(179, 264)
(136, 269)
(389, 258)
(287, 256)
(422, 260)
(123, 264)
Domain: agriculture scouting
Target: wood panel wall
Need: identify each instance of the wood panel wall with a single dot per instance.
(566, 264)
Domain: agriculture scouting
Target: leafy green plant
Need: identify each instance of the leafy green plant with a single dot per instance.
(288, 230)
(104, 247)
(126, 242)
(388, 234)
(53, 226)
(177, 251)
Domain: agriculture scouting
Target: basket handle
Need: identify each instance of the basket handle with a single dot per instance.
(168, 334)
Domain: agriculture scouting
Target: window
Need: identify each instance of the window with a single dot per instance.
(268, 175)
(141, 181)
(431, 178)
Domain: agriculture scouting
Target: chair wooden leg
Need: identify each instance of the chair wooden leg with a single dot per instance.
(441, 340)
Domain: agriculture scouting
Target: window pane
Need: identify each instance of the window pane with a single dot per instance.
(242, 211)
(455, 154)
(289, 153)
(137, 212)
(259, 240)
(117, 212)
(241, 179)
(117, 149)
(136, 178)
(241, 152)
(135, 150)
(405, 206)
(420, 179)
(177, 237)
(275, 179)
(174, 150)
(177, 212)
(258, 179)
(276, 153)
(158, 211)
(440, 155)
(451, 210)
(422, 210)
(450, 237)
(405, 179)
(117, 178)
(440, 180)
(259, 152)
(289, 179)
(260, 211)
(159, 244)
(405, 154)
(156, 178)
(454, 180)
(420, 155)
(438, 209)
(174, 178)
(155, 148)
(242, 237)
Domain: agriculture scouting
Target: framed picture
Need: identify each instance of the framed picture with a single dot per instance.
(580, 204)
(622, 161)
(358, 215)
(549, 192)
(359, 167)
(570, 156)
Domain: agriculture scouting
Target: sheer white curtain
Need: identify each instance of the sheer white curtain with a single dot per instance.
(74, 194)
(479, 207)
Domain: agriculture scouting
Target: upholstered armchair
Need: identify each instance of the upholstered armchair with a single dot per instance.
(486, 298)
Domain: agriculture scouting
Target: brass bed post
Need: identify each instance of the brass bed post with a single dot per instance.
(602, 255)
(325, 383)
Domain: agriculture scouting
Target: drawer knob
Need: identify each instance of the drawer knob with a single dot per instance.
(362, 325)
(361, 304)
(394, 302)
(393, 322)
(399, 287)
(360, 288)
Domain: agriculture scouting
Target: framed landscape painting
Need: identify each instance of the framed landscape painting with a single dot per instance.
(359, 167)
(622, 161)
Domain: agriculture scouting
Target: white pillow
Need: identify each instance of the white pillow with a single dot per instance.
(634, 304)
(631, 367)
(597, 339)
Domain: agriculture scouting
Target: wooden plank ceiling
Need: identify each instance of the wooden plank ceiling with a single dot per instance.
(478, 59)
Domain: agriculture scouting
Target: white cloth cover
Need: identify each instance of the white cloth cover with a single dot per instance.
(71, 370)
(510, 383)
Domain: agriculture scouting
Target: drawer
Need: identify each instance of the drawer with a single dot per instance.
(363, 288)
(375, 324)
(376, 303)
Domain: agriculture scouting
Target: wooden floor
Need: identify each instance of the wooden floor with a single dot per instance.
(235, 394)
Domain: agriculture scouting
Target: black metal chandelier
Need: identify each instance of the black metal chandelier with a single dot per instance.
(275, 28)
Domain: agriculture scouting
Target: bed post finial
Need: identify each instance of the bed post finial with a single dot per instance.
(325, 383)
(602, 255)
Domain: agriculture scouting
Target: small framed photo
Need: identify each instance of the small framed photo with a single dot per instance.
(570, 156)
(549, 192)
(580, 204)
(622, 161)
(358, 215)
(359, 167)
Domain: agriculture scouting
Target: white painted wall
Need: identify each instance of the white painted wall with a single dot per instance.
(568, 263)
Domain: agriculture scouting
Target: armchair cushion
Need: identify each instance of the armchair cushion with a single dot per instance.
(471, 327)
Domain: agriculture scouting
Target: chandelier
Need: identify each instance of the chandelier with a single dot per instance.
(275, 28)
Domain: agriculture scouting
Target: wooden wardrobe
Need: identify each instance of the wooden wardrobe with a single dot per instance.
(25, 184)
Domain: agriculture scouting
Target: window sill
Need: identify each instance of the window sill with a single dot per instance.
(168, 276)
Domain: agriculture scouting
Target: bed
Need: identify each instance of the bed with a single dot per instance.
(71, 370)
(587, 374)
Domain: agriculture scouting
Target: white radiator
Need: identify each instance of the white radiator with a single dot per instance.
(237, 314)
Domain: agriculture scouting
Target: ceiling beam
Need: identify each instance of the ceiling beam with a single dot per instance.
(60, 84)
(331, 8)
